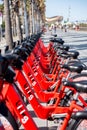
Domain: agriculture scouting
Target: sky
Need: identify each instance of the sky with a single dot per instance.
(75, 10)
(1, 1)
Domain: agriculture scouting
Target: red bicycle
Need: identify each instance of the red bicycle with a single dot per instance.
(66, 113)
(15, 108)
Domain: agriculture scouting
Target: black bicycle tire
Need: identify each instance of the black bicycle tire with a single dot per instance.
(7, 114)
(73, 125)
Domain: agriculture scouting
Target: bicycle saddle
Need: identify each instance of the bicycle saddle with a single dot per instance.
(63, 55)
(73, 67)
(27, 46)
(58, 40)
(66, 48)
(76, 61)
(32, 41)
(80, 115)
(73, 54)
(80, 86)
(55, 35)
(14, 60)
(31, 44)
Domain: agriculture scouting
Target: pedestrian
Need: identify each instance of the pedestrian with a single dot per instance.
(65, 28)
(55, 29)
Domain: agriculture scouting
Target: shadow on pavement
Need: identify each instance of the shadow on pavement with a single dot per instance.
(79, 46)
(43, 128)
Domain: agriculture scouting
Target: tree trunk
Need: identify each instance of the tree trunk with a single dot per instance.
(19, 30)
(18, 23)
(30, 21)
(25, 20)
(8, 30)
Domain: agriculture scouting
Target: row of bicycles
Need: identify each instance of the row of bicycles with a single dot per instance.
(33, 73)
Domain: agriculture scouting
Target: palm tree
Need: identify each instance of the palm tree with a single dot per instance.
(25, 19)
(40, 12)
(29, 13)
(8, 31)
(16, 4)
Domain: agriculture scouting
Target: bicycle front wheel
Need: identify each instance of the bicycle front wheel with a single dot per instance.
(6, 119)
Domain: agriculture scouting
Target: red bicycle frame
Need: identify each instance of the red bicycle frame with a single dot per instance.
(48, 111)
(17, 106)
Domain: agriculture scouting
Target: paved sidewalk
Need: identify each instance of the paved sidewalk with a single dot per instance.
(3, 43)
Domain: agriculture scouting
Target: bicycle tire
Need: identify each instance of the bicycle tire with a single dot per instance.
(76, 125)
(4, 111)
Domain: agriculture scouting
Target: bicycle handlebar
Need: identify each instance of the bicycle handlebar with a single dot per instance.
(22, 52)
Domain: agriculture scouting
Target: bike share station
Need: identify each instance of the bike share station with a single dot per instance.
(42, 87)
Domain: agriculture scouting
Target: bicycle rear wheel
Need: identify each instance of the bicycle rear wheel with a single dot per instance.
(77, 125)
(6, 118)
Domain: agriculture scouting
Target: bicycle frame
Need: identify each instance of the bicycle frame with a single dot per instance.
(43, 96)
(48, 111)
(16, 106)
(36, 65)
(27, 91)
